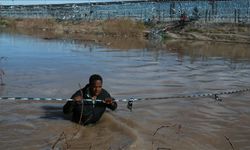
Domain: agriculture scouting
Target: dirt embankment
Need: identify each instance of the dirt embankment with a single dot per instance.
(110, 30)
(97, 31)
(219, 32)
(125, 27)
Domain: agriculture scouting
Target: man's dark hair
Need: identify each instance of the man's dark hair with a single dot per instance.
(94, 77)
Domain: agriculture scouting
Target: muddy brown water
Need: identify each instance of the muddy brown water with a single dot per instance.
(53, 68)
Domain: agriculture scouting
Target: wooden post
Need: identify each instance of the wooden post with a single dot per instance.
(206, 15)
(238, 15)
(163, 19)
(248, 9)
(171, 10)
(141, 15)
(235, 15)
(159, 15)
(248, 5)
(213, 7)
(209, 16)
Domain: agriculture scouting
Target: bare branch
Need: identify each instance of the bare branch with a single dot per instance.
(164, 126)
(58, 139)
(229, 142)
(80, 120)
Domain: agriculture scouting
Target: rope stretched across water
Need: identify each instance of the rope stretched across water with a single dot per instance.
(212, 95)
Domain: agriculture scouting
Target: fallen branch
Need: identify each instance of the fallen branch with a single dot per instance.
(58, 139)
(163, 148)
(160, 128)
(164, 126)
(66, 142)
(229, 142)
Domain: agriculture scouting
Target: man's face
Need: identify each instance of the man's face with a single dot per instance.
(96, 87)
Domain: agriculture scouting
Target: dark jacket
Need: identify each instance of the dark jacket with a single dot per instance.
(92, 111)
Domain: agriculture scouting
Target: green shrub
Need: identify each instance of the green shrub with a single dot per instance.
(4, 22)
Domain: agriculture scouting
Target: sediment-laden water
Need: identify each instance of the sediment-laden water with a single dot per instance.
(54, 68)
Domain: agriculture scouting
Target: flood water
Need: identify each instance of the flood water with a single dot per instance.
(36, 67)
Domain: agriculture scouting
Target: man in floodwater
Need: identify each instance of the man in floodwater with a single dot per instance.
(90, 102)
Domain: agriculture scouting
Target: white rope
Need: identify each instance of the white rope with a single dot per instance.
(213, 95)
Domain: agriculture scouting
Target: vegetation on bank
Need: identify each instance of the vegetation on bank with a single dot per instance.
(126, 28)
(4, 22)
(118, 27)
(123, 27)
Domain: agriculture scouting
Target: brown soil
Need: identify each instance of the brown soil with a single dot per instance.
(108, 32)
(219, 32)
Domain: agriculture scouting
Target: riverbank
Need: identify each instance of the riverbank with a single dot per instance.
(217, 32)
(109, 31)
(97, 31)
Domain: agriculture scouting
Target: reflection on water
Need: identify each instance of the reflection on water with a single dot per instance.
(205, 50)
(43, 68)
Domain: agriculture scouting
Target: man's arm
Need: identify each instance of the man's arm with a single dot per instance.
(69, 106)
(110, 103)
(77, 94)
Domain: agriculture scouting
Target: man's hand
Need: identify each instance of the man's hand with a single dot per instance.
(78, 99)
(108, 101)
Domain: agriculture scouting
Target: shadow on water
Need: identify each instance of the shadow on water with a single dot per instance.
(1, 90)
(54, 113)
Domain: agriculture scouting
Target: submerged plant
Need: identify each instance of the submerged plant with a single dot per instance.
(2, 71)
(1, 77)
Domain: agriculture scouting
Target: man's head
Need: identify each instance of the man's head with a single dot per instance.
(95, 83)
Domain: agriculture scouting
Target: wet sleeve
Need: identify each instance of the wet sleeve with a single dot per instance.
(77, 93)
(68, 107)
(112, 106)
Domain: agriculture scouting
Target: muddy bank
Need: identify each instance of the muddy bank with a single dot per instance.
(110, 31)
(104, 32)
(217, 32)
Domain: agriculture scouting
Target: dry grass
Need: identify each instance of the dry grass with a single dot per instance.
(123, 27)
(118, 27)
(6, 22)
(49, 24)
(126, 28)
